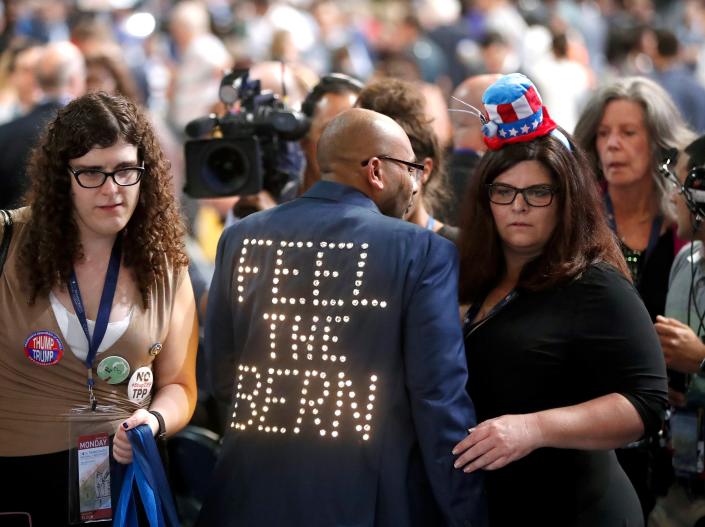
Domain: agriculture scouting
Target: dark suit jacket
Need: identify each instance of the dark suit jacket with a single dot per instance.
(17, 138)
(336, 329)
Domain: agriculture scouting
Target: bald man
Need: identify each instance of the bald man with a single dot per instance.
(334, 343)
(61, 76)
(468, 145)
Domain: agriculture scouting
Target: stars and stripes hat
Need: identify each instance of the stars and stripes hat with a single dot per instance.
(515, 113)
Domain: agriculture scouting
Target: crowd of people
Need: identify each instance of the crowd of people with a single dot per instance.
(455, 295)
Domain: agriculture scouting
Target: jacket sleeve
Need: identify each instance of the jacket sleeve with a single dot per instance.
(436, 377)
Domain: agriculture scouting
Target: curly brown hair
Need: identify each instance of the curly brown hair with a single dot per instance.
(403, 102)
(581, 237)
(152, 239)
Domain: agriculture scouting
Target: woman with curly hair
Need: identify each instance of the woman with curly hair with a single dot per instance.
(98, 329)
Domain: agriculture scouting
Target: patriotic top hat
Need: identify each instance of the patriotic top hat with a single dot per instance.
(515, 113)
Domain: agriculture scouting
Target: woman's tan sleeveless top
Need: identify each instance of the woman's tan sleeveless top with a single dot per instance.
(41, 380)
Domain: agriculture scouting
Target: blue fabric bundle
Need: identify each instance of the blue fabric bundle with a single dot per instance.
(145, 475)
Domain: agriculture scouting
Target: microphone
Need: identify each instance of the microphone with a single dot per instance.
(201, 126)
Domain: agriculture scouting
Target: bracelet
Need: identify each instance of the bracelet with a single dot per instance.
(161, 433)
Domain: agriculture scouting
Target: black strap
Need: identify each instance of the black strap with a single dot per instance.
(161, 434)
(6, 236)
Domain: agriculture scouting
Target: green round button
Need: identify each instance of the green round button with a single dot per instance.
(113, 370)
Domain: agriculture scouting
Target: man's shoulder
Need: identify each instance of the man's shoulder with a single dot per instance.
(692, 251)
(31, 122)
(316, 217)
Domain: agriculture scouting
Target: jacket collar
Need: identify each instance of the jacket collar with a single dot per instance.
(332, 191)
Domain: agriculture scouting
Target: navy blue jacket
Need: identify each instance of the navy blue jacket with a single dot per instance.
(17, 139)
(334, 333)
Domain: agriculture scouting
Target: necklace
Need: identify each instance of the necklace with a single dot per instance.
(633, 259)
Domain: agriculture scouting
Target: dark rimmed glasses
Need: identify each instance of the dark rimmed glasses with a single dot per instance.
(415, 169)
(535, 195)
(94, 178)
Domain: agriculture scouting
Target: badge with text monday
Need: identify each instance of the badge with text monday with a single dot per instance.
(43, 348)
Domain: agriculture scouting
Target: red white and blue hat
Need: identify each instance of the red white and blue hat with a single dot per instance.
(515, 113)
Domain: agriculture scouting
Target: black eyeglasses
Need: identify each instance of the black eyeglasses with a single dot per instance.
(415, 169)
(94, 178)
(535, 195)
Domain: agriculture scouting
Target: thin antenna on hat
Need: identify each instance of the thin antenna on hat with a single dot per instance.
(477, 113)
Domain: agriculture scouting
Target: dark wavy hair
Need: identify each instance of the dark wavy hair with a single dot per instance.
(581, 238)
(403, 102)
(153, 237)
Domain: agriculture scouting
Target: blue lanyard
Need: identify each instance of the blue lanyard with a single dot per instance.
(430, 223)
(101, 322)
(654, 235)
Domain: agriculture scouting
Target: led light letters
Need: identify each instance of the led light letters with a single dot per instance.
(305, 381)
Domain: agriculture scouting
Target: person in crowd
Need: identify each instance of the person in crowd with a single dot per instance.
(564, 81)
(202, 60)
(61, 76)
(335, 326)
(681, 332)
(404, 103)
(98, 318)
(678, 79)
(497, 53)
(564, 362)
(625, 128)
(107, 72)
(19, 90)
(333, 94)
(401, 66)
(468, 145)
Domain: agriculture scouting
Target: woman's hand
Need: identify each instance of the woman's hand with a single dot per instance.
(122, 449)
(497, 442)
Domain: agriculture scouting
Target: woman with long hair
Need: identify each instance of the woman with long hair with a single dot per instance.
(626, 129)
(98, 329)
(564, 363)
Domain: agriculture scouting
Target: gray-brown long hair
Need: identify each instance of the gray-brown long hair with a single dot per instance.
(664, 123)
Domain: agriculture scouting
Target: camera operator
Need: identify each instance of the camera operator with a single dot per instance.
(289, 82)
(333, 94)
(682, 336)
(252, 150)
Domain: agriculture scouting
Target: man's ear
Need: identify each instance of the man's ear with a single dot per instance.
(427, 169)
(374, 175)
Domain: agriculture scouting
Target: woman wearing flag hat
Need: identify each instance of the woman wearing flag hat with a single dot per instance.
(564, 363)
